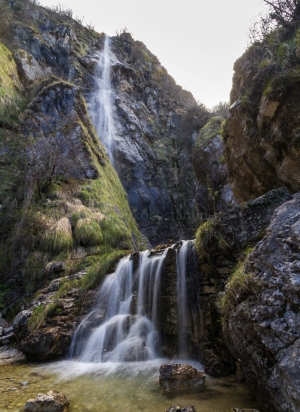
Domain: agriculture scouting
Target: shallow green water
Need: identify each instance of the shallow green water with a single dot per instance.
(104, 388)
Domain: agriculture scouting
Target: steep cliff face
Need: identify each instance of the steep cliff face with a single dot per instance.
(214, 194)
(67, 218)
(259, 304)
(268, 306)
(262, 130)
(63, 208)
(155, 127)
(156, 121)
(222, 244)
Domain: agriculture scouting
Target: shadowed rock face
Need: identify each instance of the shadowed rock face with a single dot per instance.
(58, 120)
(168, 305)
(241, 227)
(214, 194)
(264, 328)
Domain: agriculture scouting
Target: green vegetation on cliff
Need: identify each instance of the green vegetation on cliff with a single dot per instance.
(210, 130)
(11, 100)
(62, 202)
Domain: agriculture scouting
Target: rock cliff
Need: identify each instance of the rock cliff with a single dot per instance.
(268, 306)
(67, 217)
(156, 123)
(222, 244)
(261, 132)
(63, 207)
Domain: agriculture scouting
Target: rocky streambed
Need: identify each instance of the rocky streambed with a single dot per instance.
(95, 387)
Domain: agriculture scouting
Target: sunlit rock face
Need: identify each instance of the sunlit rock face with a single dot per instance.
(262, 129)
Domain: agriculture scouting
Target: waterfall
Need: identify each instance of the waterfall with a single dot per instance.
(124, 325)
(127, 329)
(182, 297)
(100, 106)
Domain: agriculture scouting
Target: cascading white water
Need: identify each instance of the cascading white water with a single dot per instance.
(101, 105)
(182, 297)
(122, 335)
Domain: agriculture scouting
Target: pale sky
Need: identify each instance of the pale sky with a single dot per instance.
(197, 41)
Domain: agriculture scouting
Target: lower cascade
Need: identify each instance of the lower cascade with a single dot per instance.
(124, 325)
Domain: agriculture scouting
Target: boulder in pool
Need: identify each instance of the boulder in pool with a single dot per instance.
(54, 401)
(180, 377)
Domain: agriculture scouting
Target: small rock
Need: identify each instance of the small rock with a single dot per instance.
(179, 377)
(3, 323)
(176, 408)
(244, 410)
(54, 401)
(25, 383)
(8, 330)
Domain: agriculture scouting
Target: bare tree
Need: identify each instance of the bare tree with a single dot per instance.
(286, 13)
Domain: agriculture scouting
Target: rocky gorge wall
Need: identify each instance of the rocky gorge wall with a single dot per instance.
(66, 218)
(259, 302)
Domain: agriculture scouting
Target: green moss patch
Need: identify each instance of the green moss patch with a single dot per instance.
(11, 101)
(210, 130)
(238, 288)
(206, 234)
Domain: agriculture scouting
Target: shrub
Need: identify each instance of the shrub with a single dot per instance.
(207, 234)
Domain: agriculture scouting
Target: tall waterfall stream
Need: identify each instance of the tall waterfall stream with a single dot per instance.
(101, 107)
